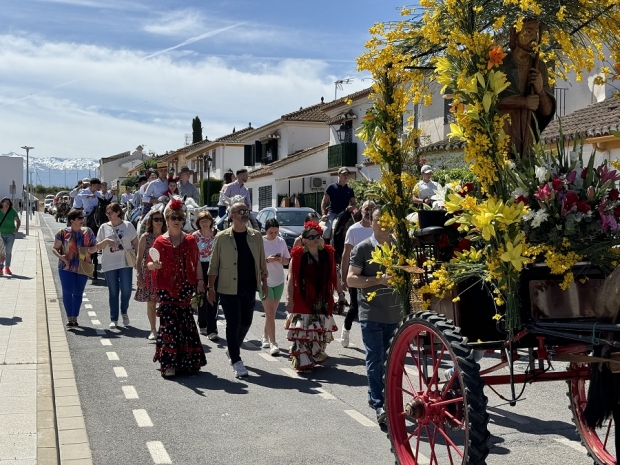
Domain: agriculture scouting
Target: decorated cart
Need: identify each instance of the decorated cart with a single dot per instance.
(520, 266)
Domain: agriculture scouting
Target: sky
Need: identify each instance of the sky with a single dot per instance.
(93, 78)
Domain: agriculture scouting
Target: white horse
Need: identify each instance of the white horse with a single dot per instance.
(190, 208)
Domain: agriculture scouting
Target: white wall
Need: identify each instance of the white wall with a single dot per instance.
(12, 169)
(298, 136)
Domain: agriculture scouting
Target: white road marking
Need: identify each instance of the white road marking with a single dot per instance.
(572, 444)
(106, 342)
(158, 452)
(92, 314)
(142, 418)
(220, 323)
(120, 372)
(269, 358)
(324, 394)
(130, 392)
(100, 332)
(95, 322)
(88, 306)
(112, 355)
(84, 299)
(84, 295)
(292, 373)
(362, 419)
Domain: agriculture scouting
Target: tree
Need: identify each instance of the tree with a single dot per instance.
(196, 130)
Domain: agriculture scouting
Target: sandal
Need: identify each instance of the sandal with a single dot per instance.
(169, 372)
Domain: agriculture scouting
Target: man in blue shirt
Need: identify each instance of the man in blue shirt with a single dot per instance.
(338, 197)
(238, 188)
(156, 188)
(88, 198)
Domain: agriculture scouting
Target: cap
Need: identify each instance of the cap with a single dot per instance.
(86, 181)
(426, 169)
(344, 170)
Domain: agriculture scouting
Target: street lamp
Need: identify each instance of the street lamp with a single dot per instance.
(27, 149)
(341, 132)
(208, 162)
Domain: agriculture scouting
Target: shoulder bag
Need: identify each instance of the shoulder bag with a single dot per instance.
(130, 254)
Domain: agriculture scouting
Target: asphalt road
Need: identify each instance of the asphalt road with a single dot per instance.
(274, 416)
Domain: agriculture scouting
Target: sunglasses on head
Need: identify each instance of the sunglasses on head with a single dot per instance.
(176, 218)
(312, 237)
(242, 212)
(159, 219)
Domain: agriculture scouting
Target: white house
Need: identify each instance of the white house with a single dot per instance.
(114, 169)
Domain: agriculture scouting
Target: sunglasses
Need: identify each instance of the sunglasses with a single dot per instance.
(159, 220)
(313, 237)
(176, 218)
(242, 212)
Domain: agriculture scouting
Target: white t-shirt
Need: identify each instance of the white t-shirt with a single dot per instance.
(275, 270)
(114, 257)
(357, 233)
(426, 189)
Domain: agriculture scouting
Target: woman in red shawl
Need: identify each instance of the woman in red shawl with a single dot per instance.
(177, 275)
(310, 299)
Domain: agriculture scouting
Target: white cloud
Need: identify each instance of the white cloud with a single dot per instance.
(105, 5)
(178, 23)
(77, 100)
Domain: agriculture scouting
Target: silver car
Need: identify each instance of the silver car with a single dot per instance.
(291, 220)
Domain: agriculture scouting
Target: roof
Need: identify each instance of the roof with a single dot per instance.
(313, 114)
(596, 120)
(293, 157)
(443, 145)
(343, 100)
(235, 135)
(115, 157)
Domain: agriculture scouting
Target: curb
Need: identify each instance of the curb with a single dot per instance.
(61, 431)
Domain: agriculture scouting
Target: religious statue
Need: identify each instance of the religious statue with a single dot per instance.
(528, 100)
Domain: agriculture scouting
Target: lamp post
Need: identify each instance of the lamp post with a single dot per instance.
(208, 162)
(341, 132)
(27, 149)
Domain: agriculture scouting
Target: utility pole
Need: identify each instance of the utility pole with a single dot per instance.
(27, 149)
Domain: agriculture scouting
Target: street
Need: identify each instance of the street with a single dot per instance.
(274, 416)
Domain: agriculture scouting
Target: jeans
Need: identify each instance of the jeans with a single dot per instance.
(221, 210)
(353, 312)
(8, 240)
(207, 313)
(73, 285)
(376, 337)
(119, 280)
(238, 311)
(327, 232)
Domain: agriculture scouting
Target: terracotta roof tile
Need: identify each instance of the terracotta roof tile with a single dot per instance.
(353, 96)
(235, 136)
(115, 157)
(443, 145)
(595, 120)
(268, 169)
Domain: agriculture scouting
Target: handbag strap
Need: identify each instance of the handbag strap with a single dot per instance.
(119, 239)
(4, 217)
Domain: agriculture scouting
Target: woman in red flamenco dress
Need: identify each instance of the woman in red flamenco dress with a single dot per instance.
(310, 299)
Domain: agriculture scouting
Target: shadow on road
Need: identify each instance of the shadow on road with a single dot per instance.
(205, 381)
(121, 331)
(16, 276)
(10, 321)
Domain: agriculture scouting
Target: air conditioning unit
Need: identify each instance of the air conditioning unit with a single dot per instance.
(318, 183)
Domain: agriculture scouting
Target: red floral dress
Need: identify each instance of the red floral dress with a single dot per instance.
(147, 292)
(311, 324)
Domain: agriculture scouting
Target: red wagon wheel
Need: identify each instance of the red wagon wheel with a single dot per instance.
(599, 442)
(434, 418)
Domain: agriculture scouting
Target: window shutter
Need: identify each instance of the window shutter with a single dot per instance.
(264, 197)
(274, 149)
(248, 158)
(258, 152)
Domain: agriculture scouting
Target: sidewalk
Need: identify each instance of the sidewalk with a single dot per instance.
(41, 419)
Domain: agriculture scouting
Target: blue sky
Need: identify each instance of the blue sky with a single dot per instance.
(92, 78)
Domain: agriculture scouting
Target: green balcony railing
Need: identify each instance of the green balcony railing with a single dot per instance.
(344, 154)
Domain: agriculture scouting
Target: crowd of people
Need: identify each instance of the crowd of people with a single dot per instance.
(179, 274)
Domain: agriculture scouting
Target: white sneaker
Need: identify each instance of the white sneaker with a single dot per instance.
(344, 338)
(239, 370)
(265, 342)
(275, 350)
(152, 336)
(125, 320)
(112, 325)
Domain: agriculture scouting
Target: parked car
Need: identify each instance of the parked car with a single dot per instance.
(59, 196)
(221, 222)
(291, 220)
(47, 205)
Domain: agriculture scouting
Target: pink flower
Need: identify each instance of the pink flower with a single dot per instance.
(571, 177)
(608, 175)
(544, 193)
(590, 193)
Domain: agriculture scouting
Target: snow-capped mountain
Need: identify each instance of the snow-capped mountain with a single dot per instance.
(55, 171)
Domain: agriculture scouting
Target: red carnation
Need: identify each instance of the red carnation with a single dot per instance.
(464, 244)
(584, 173)
(522, 199)
(308, 225)
(466, 189)
(557, 184)
(613, 194)
(176, 204)
(571, 199)
(583, 207)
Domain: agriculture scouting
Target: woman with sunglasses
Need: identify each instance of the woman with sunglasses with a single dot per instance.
(310, 299)
(71, 244)
(314, 217)
(9, 225)
(177, 276)
(145, 289)
(114, 238)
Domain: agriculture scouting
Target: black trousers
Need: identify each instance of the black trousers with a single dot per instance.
(353, 312)
(207, 313)
(238, 311)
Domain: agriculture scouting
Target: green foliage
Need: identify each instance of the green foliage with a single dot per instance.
(367, 190)
(150, 164)
(43, 191)
(196, 130)
(215, 185)
(462, 175)
(130, 181)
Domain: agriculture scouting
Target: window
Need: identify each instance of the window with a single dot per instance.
(448, 116)
(264, 197)
(213, 158)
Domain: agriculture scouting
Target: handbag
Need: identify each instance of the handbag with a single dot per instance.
(86, 268)
(130, 254)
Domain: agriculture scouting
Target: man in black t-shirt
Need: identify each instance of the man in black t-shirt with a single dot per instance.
(338, 197)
